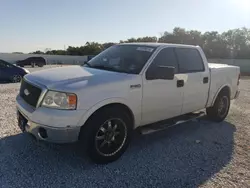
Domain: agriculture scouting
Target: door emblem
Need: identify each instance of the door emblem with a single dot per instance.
(26, 92)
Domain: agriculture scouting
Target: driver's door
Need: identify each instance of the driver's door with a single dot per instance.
(162, 99)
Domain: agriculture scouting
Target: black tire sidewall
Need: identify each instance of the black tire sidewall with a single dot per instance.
(217, 117)
(93, 125)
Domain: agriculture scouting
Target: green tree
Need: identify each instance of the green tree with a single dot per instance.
(107, 45)
(37, 52)
(234, 43)
(141, 39)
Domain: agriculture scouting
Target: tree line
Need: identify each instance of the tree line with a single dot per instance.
(233, 44)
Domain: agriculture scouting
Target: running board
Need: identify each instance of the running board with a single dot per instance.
(163, 125)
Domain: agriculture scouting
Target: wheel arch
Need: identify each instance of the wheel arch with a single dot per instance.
(116, 103)
(224, 88)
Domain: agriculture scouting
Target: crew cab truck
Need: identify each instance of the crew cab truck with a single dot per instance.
(125, 87)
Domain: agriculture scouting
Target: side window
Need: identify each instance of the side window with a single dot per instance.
(2, 64)
(189, 60)
(166, 57)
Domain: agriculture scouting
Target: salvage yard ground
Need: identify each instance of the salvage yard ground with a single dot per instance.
(194, 154)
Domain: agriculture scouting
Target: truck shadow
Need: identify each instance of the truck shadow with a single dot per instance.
(183, 156)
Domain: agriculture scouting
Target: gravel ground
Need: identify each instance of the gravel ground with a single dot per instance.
(194, 154)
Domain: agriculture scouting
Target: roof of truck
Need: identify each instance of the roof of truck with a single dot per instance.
(155, 44)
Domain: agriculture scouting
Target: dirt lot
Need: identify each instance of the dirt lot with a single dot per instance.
(195, 154)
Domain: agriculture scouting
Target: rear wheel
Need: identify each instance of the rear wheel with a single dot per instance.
(40, 65)
(218, 112)
(106, 135)
(16, 78)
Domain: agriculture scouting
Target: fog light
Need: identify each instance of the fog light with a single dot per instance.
(42, 133)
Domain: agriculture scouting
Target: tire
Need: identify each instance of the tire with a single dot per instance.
(106, 135)
(16, 78)
(218, 112)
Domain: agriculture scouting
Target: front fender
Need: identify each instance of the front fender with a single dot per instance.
(102, 103)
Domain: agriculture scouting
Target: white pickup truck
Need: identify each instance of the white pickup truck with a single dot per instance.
(123, 88)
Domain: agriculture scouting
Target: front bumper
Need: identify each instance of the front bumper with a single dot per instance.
(60, 126)
(47, 133)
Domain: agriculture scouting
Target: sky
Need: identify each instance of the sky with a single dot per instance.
(30, 25)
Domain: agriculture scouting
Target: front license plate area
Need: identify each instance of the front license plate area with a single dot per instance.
(22, 121)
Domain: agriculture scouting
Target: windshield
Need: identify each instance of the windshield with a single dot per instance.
(122, 58)
(9, 65)
(4, 64)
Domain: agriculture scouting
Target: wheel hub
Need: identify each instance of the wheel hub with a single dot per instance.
(16, 78)
(111, 137)
(223, 106)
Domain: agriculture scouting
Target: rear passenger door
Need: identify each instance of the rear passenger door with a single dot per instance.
(196, 83)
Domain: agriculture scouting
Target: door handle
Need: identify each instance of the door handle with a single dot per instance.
(180, 83)
(205, 80)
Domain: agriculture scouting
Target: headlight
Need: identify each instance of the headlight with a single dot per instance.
(60, 100)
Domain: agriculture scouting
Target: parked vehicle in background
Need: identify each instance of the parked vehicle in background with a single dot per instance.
(125, 87)
(32, 61)
(10, 72)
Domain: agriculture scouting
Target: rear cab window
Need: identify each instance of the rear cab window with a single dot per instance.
(189, 60)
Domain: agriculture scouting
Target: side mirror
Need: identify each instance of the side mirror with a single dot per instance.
(161, 72)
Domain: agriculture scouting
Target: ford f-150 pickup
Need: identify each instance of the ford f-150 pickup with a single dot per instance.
(127, 86)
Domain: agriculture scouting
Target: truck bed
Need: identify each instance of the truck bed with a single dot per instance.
(217, 65)
(221, 74)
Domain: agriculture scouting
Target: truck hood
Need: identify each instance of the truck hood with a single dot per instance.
(73, 76)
